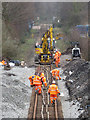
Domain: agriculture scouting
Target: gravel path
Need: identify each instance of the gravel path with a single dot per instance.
(16, 92)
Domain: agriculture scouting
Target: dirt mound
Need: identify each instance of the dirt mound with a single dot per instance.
(77, 72)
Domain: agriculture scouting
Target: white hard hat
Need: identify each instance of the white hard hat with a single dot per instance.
(56, 50)
(53, 81)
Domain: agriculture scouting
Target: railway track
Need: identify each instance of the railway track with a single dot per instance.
(40, 106)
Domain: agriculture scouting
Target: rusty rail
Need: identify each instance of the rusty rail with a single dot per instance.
(56, 112)
(35, 107)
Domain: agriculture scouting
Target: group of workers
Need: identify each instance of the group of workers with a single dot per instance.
(39, 79)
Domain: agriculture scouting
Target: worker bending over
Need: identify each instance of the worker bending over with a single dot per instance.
(55, 74)
(57, 57)
(4, 62)
(31, 80)
(37, 82)
(43, 78)
(53, 91)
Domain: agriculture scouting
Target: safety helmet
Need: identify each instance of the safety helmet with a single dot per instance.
(53, 82)
(56, 50)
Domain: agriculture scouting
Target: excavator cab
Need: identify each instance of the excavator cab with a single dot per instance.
(44, 52)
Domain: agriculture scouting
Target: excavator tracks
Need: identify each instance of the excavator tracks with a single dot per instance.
(40, 106)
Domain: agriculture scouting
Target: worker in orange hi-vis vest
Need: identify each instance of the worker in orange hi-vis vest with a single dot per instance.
(4, 62)
(53, 91)
(43, 78)
(55, 74)
(57, 57)
(37, 84)
(59, 54)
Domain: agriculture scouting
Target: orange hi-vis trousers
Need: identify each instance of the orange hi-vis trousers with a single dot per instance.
(53, 97)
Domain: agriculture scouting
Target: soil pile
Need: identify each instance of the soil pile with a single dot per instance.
(77, 72)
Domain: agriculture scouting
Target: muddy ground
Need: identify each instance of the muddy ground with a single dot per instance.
(77, 82)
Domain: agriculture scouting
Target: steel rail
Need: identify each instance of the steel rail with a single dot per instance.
(56, 112)
(35, 107)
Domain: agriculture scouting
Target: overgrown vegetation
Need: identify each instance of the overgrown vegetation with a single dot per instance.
(18, 19)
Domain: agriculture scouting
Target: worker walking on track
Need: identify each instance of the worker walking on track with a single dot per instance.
(43, 78)
(57, 57)
(37, 84)
(55, 74)
(53, 91)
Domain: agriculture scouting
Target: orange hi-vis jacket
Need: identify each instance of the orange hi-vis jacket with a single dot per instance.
(37, 80)
(56, 56)
(44, 81)
(54, 72)
(4, 62)
(59, 54)
(31, 79)
(42, 75)
(53, 89)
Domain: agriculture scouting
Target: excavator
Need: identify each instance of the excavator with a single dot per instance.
(44, 52)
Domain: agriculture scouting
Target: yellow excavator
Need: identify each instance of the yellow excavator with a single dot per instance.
(44, 52)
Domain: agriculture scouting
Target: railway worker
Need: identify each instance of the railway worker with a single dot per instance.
(55, 74)
(4, 62)
(59, 54)
(37, 84)
(53, 91)
(57, 57)
(31, 80)
(43, 78)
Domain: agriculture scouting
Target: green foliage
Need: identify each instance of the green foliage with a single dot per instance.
(62, 45)
(9, 49)
(26, 50)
